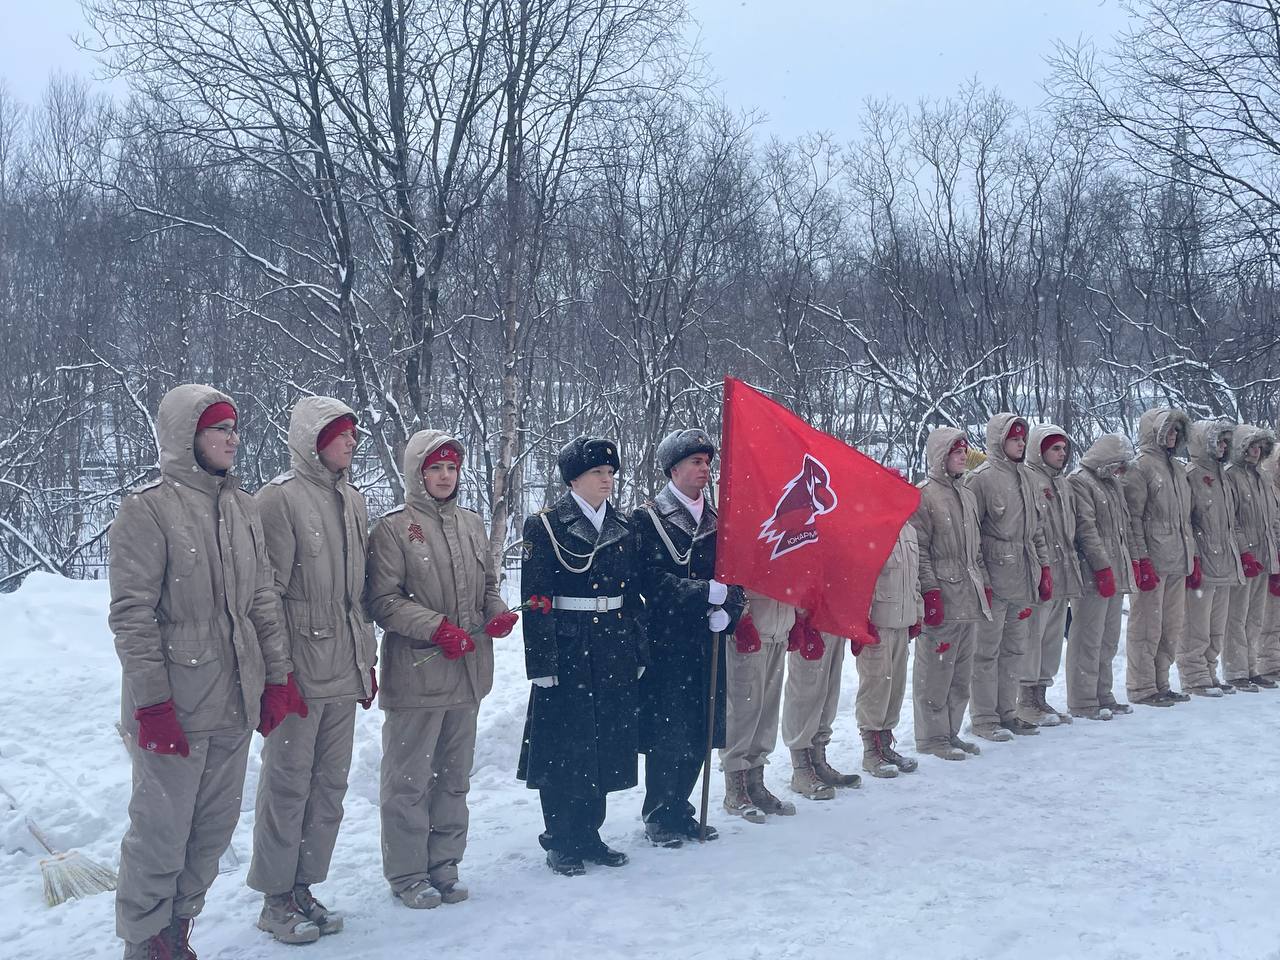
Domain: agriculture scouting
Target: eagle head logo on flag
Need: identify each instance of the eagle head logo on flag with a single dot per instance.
(807, 496)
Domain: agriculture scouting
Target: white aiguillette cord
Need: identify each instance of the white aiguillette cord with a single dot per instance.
(560, 552)
(681, 559)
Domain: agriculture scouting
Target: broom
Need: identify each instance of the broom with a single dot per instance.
(70, 875)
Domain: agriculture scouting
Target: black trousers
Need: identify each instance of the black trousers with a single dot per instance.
(572, 823)
(670, 774)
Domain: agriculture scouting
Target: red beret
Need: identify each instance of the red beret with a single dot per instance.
(1050, 440)
(334, 429)
(446, 451)
(216, 413)
(1018, 431)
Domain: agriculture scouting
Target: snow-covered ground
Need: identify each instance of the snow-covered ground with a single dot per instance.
(1151, 836)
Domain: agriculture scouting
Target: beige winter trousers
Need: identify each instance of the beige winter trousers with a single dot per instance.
(1091, 649)
(1045, 631)
(182, 814)
(305, 763)
(997, 663)
(1207, 618)
(1241, 654)
(940, 680)
(812, 695)
(882, 680)
(1157, 620)
(1269, 655)
(426, 773)
(753, 685)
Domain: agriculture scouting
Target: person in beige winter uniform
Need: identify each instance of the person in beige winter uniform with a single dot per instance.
(1017, 565)
(1163, 546)
(1216, 569)
(1246, 665)
(199, 632)
(1270, 644)
(953, 587)
(896, 612)
(433, 589)
(1048, 450)
(810, 702)
(317, 530)
(1102, 541)
(755, 667)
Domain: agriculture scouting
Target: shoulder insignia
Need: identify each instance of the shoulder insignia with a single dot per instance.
(283, 478)
(542, 511)
(149, 485)
(526, 550)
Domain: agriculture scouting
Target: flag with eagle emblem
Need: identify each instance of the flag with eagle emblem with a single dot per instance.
(804, 518)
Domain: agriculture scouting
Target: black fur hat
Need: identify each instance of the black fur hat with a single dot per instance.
(678, 444)
(586, 453)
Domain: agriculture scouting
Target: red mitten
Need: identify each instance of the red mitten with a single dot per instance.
(1024, 613)
(278, 701)
(1105, 581)
(501, 624)
(159, 730)
(795, 636)
(1273, 584)
(453, 641)
(1137, 572)
(856, 646)
(373, 688)
(990, 595)
(812, 647)
(1251, 565)
(746, 637)
(913, 631)
(1046, 584)
(933, 608)
(1195, 578)
(1147, 579)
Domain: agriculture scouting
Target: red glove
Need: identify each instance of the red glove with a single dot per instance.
(1106, 582)
(795, 636)
(933, 608)
(278, 701)
(913, 631)
(1137, 572)
(1273, 584)
(1024, 613)
(453, 641)
(1251, 565)
(746, 637)
(1195, 577)
(159, 730)
(1046, 584)
(812, 647)
(1147, 579)
(991, 597)
(373, 688)
(501, 624)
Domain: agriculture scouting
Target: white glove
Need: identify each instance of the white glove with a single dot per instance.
(544, 681)
(717, 593)
(719, 620)
(639, 672)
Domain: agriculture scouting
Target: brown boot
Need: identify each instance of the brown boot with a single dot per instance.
(805, 781)
(765, 800)
(736, 799)
(873, 760)
(829, 774)
(180, 938)
(1029, 708)
(1042, 698)
(905, 764)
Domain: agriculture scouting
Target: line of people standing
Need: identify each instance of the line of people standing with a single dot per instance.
(233, 613)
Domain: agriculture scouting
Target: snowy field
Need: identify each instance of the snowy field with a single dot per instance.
(1151, 836)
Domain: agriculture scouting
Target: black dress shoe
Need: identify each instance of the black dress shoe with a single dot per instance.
(690, 831)
(565, 864)
(1265, 682)
(660, 835)
(606, 856)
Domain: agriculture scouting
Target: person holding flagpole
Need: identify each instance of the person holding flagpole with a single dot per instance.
(686, 606)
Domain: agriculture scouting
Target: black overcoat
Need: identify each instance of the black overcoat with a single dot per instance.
(581, 736)
(673, 693)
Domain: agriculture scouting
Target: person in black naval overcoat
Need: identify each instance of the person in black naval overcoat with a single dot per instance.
(683, 605)
(584, 658)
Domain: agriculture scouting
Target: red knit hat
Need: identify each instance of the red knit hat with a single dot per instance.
(446, 451)
(1050, 440)
(1018, 431)
(216, 413)
(334, 429)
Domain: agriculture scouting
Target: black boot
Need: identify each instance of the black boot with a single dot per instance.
(566, 865)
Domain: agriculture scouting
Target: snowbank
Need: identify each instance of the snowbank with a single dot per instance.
(1144, 837)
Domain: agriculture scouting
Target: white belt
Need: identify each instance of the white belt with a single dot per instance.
(587, 604)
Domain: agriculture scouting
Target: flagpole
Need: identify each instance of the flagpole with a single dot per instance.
(711, 735)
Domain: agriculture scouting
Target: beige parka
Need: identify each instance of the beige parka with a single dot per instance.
(1159, 496)
(1213, 505)
(1102, 515)
(1255, 511)
(194, 609)
(1058, 512)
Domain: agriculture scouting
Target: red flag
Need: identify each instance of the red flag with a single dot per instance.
(804, 518)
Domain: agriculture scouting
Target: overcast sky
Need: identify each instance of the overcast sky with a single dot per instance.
(807, 64)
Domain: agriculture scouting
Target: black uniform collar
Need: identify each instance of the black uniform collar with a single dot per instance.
(669, 508)
(570, 515)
